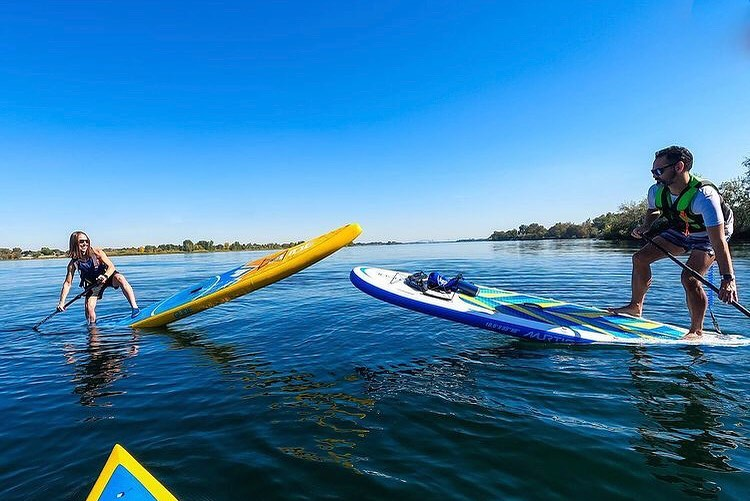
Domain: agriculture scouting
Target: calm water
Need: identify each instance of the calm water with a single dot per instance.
(311, 389)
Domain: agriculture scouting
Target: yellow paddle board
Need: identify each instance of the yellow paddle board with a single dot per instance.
(244, 279)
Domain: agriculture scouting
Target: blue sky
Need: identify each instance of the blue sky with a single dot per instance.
(152, 122)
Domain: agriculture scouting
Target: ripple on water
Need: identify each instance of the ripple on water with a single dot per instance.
(309, 388)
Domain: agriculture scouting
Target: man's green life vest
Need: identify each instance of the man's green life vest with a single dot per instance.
(678, 213)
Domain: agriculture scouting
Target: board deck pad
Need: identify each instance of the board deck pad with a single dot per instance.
(526, 316)
(244, 279)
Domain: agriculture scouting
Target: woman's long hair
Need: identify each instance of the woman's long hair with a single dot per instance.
(74, 252)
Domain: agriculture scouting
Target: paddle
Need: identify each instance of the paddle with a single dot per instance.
(694, 273)
(79, 296)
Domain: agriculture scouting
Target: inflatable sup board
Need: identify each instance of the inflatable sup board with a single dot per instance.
(521, 315)
(123, 478)
(244, 279)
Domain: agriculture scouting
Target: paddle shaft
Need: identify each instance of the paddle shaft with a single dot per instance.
(694, 273)
(79, 296)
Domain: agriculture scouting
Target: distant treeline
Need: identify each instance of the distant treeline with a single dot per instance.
(389, 242)
(618, 225)
(609, 226)
(187, 246)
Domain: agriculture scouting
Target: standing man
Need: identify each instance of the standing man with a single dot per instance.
(700, 222)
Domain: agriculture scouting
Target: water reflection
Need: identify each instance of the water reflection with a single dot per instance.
(445, 378)
(295, 398)
(449, 378)
(740, 251)
(337, 415)
(684, 429)
(565, 245)
(99, 365)
(225, 356)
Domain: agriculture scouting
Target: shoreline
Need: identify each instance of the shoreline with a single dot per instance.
(272, 247)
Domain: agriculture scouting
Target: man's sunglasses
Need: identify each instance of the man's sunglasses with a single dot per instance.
(660, 170)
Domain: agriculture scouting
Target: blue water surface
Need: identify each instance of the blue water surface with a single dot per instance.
(310, 389)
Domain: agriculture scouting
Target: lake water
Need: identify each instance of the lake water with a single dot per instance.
(311, 389)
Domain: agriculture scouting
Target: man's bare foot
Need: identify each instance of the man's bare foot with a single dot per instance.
(693, 336)
(629, 309)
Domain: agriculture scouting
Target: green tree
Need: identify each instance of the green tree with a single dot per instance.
(504, 235)
(188, 246)
(587, 229)
(575, 231)
(206, 244)
(558, 230)
(736, 193)
(535, 231)
(618, 225)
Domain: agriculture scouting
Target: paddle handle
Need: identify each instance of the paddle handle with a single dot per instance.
(79, 296)
(694, 273)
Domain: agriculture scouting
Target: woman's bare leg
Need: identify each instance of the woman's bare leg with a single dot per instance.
(91, 308)
(127, 290)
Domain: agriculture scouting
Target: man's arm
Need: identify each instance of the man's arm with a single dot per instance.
(648, 221)
(728, 289)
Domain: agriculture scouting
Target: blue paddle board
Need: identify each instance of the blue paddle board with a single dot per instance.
(524, 316)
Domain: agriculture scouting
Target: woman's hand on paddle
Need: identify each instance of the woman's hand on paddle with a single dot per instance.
(101, 278)
(728, 291)
(60, 307)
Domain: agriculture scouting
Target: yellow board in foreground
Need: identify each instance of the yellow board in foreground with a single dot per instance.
(124, 479)
(244, 279)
